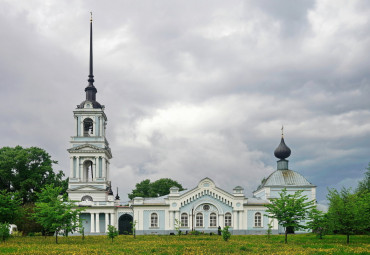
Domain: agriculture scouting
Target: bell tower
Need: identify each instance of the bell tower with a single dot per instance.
(90, 152)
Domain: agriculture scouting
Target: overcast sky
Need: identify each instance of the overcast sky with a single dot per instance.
(194, 89)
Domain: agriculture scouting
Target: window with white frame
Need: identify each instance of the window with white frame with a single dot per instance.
(184, 220)
(213, 220)
(228, 219)
(154, 220)
(199, 220)
(258, 220)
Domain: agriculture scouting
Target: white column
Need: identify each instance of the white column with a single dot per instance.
(177, 217)
(104, 170)
(94, 168)
(101, 126)
(139, 224)
(71, 167)
(108, 170)
(112, 220)
(235, 219)
(172, 220)
(221, 220)
(78, 167)
(82, 127)
(240, 220)
(191, 220)
(97, 223)
(106, 222)
(92, 224)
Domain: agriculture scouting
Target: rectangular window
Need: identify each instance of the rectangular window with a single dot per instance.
(199, 220)
(154, 220)
(184, 220)
(212, 220)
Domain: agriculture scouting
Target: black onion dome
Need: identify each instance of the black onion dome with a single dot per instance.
(282, 151)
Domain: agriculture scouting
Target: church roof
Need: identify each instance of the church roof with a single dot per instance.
(285, 178)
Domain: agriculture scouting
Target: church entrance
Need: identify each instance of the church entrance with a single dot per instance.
(124, 224)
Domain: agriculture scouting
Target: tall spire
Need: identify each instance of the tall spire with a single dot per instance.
(90, 89)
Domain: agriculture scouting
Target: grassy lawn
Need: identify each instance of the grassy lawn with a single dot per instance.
(252, 244)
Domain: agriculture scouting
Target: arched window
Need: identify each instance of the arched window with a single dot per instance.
(199, 220)
(257, 220)
(184, 220)
(228, 219)
(86, 198)
(87, 171)
(213, 220)
(154, 220)
(88, 127)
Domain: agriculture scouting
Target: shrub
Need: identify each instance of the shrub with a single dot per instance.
(226, 233)
(4, 231)
(112, 232)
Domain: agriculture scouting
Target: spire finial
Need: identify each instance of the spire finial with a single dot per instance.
(117, 196)
(90, 89)
(282, 131)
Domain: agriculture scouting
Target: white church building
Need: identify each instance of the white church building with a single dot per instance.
(203, 208)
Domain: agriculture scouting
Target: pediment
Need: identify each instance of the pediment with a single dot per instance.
(85, 147)
(206, 183)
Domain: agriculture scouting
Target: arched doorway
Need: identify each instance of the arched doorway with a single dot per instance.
(124, 224)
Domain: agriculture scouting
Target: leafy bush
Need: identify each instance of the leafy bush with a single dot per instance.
(112, 232)
(226, 233)
(4, 231)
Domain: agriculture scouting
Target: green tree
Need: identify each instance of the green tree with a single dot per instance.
(318, 222)
(10, 207)
(112, 232)
(25, 223)
(27, 171)
(290, 210)
(158, 188)
(364, 185)
(54, 214)
(349, 213)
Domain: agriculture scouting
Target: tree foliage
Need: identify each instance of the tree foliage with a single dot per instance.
(364, 185)
(4, 231)
(25, 223)
(290, 210)
(112, 232)
(27, 171)
(226, 233)
(10, 207)
(54, 214)
(158, 188)
(349, 213)
(318, 222)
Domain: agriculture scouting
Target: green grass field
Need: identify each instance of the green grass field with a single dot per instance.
(203, 244)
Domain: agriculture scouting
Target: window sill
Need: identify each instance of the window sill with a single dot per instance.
(153, 227)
